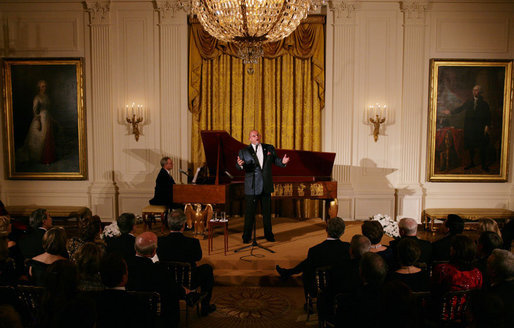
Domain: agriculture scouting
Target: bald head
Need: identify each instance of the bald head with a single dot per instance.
(408, 227)
(146, 244)
(255, 137)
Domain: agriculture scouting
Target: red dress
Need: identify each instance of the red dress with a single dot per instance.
(447, 277)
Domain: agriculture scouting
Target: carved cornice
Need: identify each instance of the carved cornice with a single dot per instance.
(342, 8)
(99, 12)
(414, 9)
(168, 8)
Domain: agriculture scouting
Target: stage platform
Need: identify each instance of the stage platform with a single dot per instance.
(293, 239)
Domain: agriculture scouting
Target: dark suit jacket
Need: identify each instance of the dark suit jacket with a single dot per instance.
(31, 245)
(115, 308)
(329, 252)
(163, 194)
(425, 246)
(177, 247)
(123, 245)
(441, 249)
(144, 275)
(505, 292)
(263, 180)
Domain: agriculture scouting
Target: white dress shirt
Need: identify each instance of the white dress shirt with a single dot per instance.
(258, 151)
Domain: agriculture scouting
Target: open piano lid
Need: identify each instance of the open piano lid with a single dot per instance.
(303, 165)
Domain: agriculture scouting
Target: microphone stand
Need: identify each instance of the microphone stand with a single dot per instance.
(254, 241)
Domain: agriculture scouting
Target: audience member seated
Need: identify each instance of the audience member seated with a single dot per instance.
(30, 245)
(331, 252)
(177, 247)
(486, 310)
(89, 231)
(9, 318)
(487, 242)
(54, 244)
(374, 231)
(8, 274)
(459, 273)
(362, 308)
(453, 226)
(346, 276)
(408, 230)
(13, 248)
(399, 307)
(415, 278)
(145, 275)
(487, 224)
(88, 260)
(3, 211)
(500, 267)
(61, 305)
(124, 243)
(115, 307)
(508, 234)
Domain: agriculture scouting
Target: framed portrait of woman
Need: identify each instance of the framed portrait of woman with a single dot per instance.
(469, 120)
(45, 118)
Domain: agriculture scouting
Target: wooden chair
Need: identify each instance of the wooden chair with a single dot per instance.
(321, 297)
(29, 298)
(452, 307)
(152, 301)
(182, 275)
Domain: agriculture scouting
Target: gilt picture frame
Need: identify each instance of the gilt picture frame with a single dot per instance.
(44, 115)
(469, 120)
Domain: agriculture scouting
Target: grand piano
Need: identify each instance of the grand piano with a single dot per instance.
(307, 175)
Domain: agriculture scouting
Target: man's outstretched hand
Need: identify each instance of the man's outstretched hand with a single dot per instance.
(240, 162)
(285, 159)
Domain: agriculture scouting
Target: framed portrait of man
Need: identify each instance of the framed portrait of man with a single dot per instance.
(469, 116)
(45, 118)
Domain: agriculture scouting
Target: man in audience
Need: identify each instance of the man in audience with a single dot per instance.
(487, 242)
(346, 275)
(144, 275)
(124, 243)
(115, 307)
(362, 308)
(330, 252)
(500, 268)
(177, 247)
(30, 245)
(409, 229)
(453, 225)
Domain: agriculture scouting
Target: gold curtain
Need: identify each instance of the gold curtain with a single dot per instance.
(282, 96)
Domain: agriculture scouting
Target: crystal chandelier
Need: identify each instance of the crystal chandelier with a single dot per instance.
(251, 23)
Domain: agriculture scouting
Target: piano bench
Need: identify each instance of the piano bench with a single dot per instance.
(150, 211)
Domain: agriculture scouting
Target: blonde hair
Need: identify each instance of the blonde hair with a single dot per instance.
(54, 241)
(487, 224)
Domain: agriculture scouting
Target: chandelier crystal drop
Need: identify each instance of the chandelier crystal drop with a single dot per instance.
(251, 23)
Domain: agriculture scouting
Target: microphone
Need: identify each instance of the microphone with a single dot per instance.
(184, 172)
(229, 175)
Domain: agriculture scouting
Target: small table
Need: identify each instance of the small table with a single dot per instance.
(472, 214)
(150, 211)
(210, 227)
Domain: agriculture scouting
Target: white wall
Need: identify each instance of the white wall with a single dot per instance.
(377, 51)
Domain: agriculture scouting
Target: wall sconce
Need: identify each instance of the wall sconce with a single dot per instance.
(134, 116)
(376, 115)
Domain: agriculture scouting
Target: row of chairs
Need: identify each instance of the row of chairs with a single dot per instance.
(447, 310)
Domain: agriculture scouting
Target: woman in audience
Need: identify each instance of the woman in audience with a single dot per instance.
(460, 273)
(7, 265)
(88, 260)
(89, 231)
(414, 277)
(487, 224)
(54, 244)
(374, 231)
(13, 249)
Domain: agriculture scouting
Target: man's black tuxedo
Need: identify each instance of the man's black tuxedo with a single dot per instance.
(115, 308)
(144, 275)
(123, 245)
(31, 244)
(441, 249)
(177, 247)
(258, 185)
(163, 194)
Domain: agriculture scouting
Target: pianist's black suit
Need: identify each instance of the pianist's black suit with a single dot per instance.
(258, 185)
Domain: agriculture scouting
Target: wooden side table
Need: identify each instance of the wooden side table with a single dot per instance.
(471, 214)
(210, 227)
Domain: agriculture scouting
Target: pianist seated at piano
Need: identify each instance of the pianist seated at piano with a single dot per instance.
(163, 194)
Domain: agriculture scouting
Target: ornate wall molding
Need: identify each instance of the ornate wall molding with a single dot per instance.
(342, 8)
(414, 9)
(99, 12)
(168, 8)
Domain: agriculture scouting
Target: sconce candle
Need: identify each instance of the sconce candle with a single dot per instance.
(134, 116)
(376, 115)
